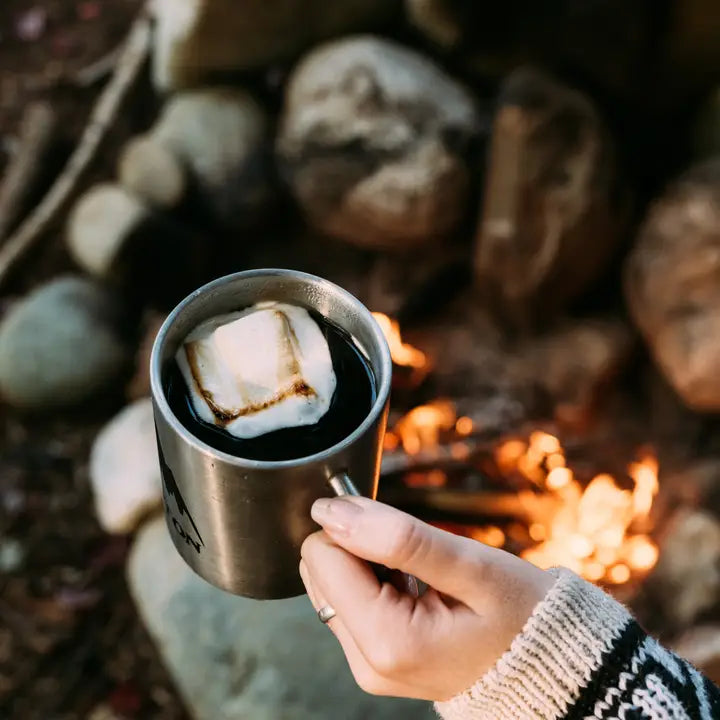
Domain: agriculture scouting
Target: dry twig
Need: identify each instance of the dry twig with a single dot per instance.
(35, 135)
(104, 113)
(97, 70)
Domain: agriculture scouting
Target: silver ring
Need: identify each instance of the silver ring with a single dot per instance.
(326, 613)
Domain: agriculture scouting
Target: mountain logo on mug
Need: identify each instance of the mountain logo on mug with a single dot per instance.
(171, 490)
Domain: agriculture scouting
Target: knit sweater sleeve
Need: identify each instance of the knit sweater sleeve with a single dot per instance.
(582, 656)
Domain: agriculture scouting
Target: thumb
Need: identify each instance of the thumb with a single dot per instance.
(379, 533)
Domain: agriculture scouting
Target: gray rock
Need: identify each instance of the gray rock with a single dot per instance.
(12, 554)
(197, 40)
(672, 283)
(125, 470)
(101, 226)
(220, 136)
(686, 581)
(152, 172)
(59, 346)
(235, 659)
(370, 155)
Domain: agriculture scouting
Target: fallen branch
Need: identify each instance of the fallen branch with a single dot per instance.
(97, 70)
(458, 452)
(444, 456)
(35, 135)
(104, 113)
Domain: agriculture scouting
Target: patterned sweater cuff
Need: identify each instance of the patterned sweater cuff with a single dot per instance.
(549, 663)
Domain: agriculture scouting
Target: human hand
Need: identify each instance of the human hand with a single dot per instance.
(432, 647)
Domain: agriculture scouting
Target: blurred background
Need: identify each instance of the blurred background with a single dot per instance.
(526, 194)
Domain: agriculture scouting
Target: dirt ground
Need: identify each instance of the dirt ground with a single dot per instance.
(71, 642)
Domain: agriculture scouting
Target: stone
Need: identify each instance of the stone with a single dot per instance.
(686, 581)
(12, 555)
(473, 365)
(120, 240)
(701, 647)
(197, 41)
(369, 154)
(152, 173)
(220, 135)
(234, 658)
(551, 218)
(60, 346)
(672, 285)
(575, 362)
(100, 227)
(125, 470)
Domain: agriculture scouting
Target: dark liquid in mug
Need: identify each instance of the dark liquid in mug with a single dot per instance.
(351, 403)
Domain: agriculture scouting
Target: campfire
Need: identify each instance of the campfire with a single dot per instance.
(599, 527)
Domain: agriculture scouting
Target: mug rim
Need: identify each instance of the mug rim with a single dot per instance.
(383, 387)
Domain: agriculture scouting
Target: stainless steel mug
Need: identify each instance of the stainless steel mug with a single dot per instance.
(239, 523)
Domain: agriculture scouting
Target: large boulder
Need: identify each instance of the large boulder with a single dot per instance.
(199, 40)
(125, 470)
(220, 136)
(552, 212)
(372, 142)
(60, 346)
(234, 658)
(672, 283)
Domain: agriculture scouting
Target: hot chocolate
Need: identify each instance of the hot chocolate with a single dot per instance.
(271, 382)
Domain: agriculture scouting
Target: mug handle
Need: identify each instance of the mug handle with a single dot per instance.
(341, 484)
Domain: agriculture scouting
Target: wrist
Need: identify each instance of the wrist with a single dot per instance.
(565, 640)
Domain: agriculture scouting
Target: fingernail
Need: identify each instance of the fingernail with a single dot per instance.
(335, 514)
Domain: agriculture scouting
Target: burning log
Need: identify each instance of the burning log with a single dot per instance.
(600, 530)
(476, 506)
(550, 220)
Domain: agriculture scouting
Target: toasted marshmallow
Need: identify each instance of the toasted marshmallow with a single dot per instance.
(262, 369)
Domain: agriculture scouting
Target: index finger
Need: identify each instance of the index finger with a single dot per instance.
(457, 566)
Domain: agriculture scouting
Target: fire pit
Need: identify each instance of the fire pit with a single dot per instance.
(441, 466)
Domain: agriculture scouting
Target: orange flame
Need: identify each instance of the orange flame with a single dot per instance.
(421, 427)
(599, 532)
(402, 353)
